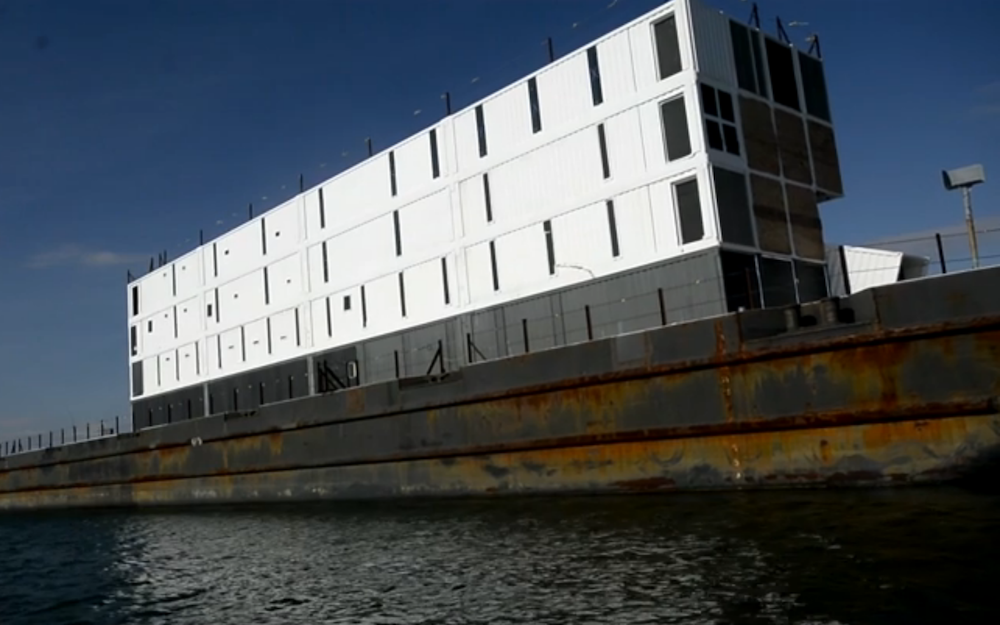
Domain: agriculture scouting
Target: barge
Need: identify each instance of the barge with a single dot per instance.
(608, 276)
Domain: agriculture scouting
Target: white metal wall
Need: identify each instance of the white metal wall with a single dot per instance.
(326, 268)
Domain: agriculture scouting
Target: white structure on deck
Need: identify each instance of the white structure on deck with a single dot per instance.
(869, 267)
(683, 130)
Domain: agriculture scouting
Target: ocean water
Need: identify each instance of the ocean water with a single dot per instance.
(850, 557)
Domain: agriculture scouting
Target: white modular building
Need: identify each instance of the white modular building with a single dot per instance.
(669, 170)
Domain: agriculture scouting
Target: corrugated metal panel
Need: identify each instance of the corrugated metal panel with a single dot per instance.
(614, 57)
(507, 118)
(866, 268)
(564, 92)
(634, 221)
(522, 259)
(413, 165)
(425, 225)
(466, 140)
(713, 44)
(625, 145)
(582, 239)
(643, 60)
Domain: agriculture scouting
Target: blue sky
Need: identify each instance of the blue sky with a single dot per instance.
(125, 126)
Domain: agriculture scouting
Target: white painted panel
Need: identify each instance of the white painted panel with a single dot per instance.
(347, 321)
(313, 221)
(283, 334)
(508, 121)
(425, 291)
(564, 92)
(284, 282)
(614, 57)
(643, 54)
(480, 272)
(446, 152)
(664, 215)
(213, 355)
(238, 250)
(625, 145)
(361, 251)
(188, 275)
(232, 349)
(363, 190)
(156, 290)
(189, 363)
(413, 165)
(169, 374)
(158, 331)
(473, 205)
(651, 128)
(256, 342)
(189, 314)
(382, 299)
(522, 258)
(242, 299)
(150, 375)
(713, 45)
(322, 331)
(634, 221)
(582, 239)
(549, 178)
(466, 140)
(426, 224)
(282, 229)
(315, 254)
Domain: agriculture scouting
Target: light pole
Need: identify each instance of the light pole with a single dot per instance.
(965, 178)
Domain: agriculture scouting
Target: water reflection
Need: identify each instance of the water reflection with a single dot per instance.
(844, 557)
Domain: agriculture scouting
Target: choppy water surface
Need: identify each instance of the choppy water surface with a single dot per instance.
(915, 556)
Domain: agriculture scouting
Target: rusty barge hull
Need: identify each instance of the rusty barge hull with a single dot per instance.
(895, 385)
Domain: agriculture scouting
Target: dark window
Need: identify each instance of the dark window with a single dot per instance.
(137, 381)
(444, 280)
(269, 342)
(329, 318)
(486, 195)
(402, 294)
(675, 128)
(668, 52)
(209, 310)
(596, 92)
(720, 120)
(814, 86)
(550, 247)
(326, 264)
(176, 330)
(777, 282)
(218, 312)
(689, 210)
(811, 281)
(298, 329)
(734, 207)
(243, 343)
(173, 278)
(134, 333)
(135, 300)
(263, 237)
(267, 288)
(392, 173)
(398, 233)
(364, 307)
(435, 164)
(481, 130)
(748, 59)
(215, 260)
(322, 209)
(493, 265)
(536, 111)
(149, 325)
(782, 68)
(347, 302)
(613, 228)
(602, 141)
(739, 279)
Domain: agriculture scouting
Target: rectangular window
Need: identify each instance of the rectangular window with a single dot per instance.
(689, 210)
(243, 343)
(149, 326)
(218, 349)
(398, 233)
(197, 359)
(602, 141)
(550, 247)
(135, 300)
(134, 340)
(176, 329)
(215, 260)
(263, 237)
(720, 120)
(173, 278)
(392, 173)
(364, 308)
(493, 265)
(298, 329)
(481, 130)
(329, 318)
(269, 342)
(613, 229)
(781, 66)
(668, 51)
(209, 310)
(217, 311)
(267, 288)
(748, 59)
(486, 195)
(814, 86)
(444, 280)
(536, 111)
(326, 264)
(596, 92)
(734, 206)
(347, 302)
(435, 163)
(675, 128)
(322, 209)
(402, 294)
